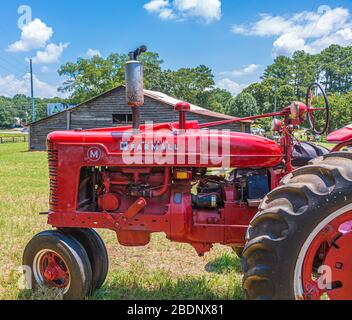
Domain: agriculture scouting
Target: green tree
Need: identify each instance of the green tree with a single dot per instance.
(262, 92)
(340, 108)
(305, 71)
(281, 69)
(90, 77)
(335, 65)
(188, 84)
(284, 96)
(271, 94)
(7, 116)
(219, 100)
(244, 105)
(152, 70)
(21, 106)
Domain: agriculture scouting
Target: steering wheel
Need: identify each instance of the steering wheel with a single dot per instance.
(312, 118)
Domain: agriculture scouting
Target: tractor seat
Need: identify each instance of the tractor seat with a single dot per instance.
(342, 135)
(304, 152)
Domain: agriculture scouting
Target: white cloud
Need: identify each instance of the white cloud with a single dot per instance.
(45, 69)
(206, 10)
(246, 70)
(92, 53)
(51, 53)
(233, 87)
(309, 31)
(288, 43)
(156, 6)
(162, 8)
(167, 14)
(34, 36)
(10, 86)
(266, 26)
(209, 10)
(239, 29)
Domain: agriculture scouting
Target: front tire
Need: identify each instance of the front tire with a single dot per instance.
(56, 260)
(97, 253)
(301, 227)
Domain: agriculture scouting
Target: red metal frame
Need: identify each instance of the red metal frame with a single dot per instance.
(167, 207)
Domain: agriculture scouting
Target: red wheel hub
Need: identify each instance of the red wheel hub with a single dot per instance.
(327, 266)
(54, 270)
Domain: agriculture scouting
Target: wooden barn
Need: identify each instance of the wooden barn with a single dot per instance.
(110, 109)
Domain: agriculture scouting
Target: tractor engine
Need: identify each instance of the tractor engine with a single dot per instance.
(115, 189)
(118, 188)
(185, 203)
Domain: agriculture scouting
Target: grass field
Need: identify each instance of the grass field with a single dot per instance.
(162, 270)
(10, 133)
(330, 146)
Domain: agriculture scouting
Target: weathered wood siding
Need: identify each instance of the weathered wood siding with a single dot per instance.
(40, 130)
(98, 114)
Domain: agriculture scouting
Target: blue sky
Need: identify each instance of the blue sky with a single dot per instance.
(237, 39)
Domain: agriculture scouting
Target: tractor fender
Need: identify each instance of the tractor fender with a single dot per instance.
(341, 135)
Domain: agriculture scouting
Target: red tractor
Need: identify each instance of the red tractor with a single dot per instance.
(141, 180)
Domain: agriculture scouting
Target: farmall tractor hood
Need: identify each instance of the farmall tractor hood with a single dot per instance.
(165, 144)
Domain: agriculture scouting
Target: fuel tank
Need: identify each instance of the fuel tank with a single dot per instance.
(165, 145)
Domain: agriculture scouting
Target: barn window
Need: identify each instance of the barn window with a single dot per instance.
(121, 118)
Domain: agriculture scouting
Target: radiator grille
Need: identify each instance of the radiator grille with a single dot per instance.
(53, 157)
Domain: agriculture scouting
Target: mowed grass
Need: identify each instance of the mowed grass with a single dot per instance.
(327, 145)
(10, 133)
(162, 270)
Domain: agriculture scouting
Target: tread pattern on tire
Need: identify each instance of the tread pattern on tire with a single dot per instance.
(285, 219)
(97, 253)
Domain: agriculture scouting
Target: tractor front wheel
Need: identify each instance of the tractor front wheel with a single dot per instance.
(300, 243)
(57, 260)
(97, 253)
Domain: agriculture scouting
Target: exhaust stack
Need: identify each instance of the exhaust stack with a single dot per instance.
(135, 85)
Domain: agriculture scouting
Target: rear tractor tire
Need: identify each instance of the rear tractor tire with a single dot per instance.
(238, 251)
(56, 260)
(299, 244)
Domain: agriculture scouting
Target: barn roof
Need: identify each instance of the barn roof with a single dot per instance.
(162, 97)
(158, 96)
